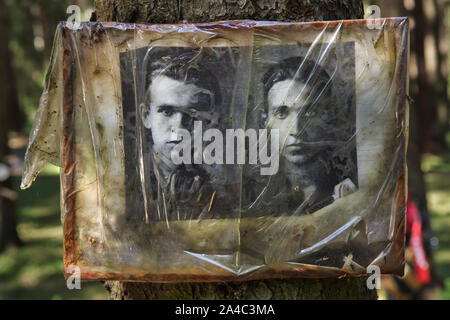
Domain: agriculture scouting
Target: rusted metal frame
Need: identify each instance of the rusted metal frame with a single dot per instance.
(249, 24)
(305, 271)
(68, 154)
(402, 111)
(269, 273)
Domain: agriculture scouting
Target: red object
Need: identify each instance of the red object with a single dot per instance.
(414, 225)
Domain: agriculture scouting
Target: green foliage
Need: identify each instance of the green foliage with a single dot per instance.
(35, 271)
(32, 25)
(437, 173)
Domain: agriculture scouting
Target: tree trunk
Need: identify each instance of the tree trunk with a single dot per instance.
(175, 11)
(8, 110)
(441, 83)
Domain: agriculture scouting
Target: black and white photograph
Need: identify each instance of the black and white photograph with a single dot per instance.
(180, 89)
(307, 93)
(302, 96)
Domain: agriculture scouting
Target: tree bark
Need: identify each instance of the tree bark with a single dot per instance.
(175, 11)
(9, 108)
(441, 83)
(275, 289)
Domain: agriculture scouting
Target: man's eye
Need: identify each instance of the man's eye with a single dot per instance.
(282, 112)
(166, 111)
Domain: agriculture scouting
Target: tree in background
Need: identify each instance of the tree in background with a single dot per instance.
(26, 34)
(25, 43)
(171, 11)
(9, 108)
(32, 27)
(429, 103)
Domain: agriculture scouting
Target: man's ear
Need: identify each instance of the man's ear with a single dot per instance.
(145, 115)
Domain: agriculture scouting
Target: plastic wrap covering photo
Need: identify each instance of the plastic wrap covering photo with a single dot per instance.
(227, 151)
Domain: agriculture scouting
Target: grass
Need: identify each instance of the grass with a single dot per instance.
(34, 271)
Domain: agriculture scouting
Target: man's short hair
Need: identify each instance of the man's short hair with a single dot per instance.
(298, 69)
(188, 67)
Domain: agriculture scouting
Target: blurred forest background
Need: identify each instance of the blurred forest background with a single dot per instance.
(30, 227)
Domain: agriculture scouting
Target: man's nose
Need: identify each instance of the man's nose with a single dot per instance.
(176, 121)
(181, 121)
(296, 127)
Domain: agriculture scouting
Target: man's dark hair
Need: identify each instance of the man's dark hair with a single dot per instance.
(190, 67)
(298, 69)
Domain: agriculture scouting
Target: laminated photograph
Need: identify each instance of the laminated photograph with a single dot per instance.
(228, 151)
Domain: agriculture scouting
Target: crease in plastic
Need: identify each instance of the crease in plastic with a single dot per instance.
(160, 226)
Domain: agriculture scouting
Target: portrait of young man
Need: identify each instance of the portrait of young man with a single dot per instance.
(317, 146)
(177, 95)
(178, 90)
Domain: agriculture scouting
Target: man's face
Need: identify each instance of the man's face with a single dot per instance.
(172, 105)
(291, 111)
